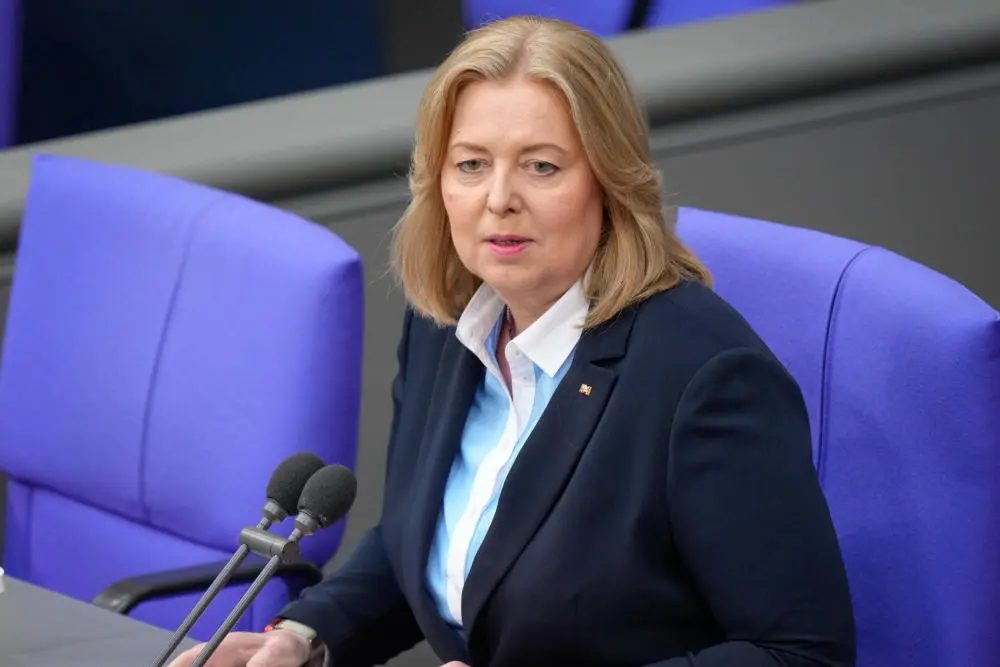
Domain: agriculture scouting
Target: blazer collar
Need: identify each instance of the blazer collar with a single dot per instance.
(547, 342)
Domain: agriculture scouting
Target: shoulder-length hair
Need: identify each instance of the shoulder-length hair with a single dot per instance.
(639, 253)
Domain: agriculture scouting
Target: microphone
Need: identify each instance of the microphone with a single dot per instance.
(283, 491)
(325, 499)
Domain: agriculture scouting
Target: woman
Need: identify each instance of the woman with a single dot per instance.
(593, 459)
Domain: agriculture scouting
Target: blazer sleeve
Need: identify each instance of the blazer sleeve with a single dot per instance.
(359, 611)
(751, 523)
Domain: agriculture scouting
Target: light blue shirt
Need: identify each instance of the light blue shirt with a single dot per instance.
(497, 425)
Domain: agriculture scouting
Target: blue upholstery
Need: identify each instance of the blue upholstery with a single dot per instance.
(607, 18)
(602, 17)
(900, 370)
(167, 345)
(677, 12)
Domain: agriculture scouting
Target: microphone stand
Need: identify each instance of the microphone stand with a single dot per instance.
(249, 541)
(326, 496)
(279, 549)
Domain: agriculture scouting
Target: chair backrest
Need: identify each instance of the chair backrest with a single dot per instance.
(167, 345)
(900, 368)
(664, 13)
(607, 18)
(10, 40)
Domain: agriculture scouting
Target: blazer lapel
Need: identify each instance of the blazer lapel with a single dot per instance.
(458, 375)
(546, 461)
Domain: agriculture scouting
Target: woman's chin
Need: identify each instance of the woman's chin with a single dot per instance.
(507, 282)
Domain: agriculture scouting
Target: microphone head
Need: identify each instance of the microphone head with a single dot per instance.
(289, 479)
(329, 494)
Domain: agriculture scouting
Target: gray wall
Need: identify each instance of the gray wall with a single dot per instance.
(877, 120)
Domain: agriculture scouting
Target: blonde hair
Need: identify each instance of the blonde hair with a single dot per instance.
(639, 253)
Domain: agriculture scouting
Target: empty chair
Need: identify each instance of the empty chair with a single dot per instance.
(167, 345)
(900, 368)
(602, 17)
(10, 34)
(607, 18)
(677, 12)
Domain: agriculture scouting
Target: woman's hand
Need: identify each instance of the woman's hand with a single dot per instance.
(280, 648)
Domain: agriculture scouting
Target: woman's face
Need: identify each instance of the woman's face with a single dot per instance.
(524, 207)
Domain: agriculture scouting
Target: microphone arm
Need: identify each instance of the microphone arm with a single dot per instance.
(272, 514)
(279, 549)
(326, 498)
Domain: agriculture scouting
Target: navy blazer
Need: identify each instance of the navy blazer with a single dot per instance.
(664, 511)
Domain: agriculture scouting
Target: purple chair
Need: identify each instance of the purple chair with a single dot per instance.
(900, 368)
(607, 18)
(167, 345)
(602, 17)
(678, 12)
(10, 34)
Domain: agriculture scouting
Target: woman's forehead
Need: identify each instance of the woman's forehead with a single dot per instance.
(522, 112)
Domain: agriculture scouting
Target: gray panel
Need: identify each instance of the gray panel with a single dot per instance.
(913, 169)
(405, 48)
(38, 627)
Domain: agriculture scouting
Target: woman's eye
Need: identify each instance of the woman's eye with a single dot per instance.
(543, 168)
(470, 166)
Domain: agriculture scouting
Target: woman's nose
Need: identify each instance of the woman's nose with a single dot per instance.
(501, 199)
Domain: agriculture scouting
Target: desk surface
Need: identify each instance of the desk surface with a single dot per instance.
(39, 627)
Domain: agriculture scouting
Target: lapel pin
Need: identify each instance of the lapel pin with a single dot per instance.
(585, 389)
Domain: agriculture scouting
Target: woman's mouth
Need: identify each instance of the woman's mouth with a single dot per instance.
(507, 246)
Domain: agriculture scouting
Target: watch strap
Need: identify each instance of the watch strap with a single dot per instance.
(316, 647)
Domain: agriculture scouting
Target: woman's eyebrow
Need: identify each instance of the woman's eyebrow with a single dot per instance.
(531, 148)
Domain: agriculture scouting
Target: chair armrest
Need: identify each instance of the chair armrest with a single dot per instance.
(124, 595)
